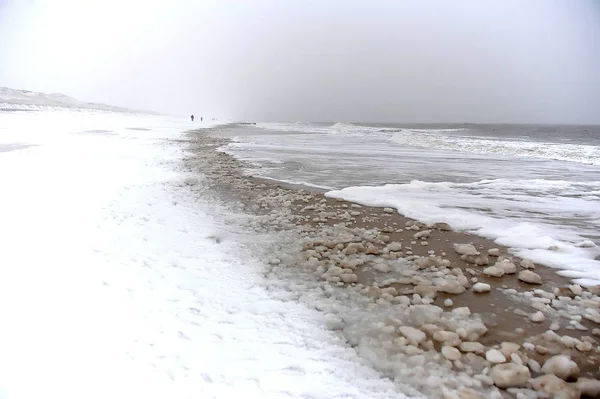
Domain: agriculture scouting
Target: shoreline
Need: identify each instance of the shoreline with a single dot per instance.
(372, 253)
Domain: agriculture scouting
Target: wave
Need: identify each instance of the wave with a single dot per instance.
(549, 222)
(580, 153)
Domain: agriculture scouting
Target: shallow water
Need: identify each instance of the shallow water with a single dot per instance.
(529, 187)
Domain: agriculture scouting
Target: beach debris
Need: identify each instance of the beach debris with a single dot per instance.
(494, 356)
(537, 317)
(493, 271)
(442, 226)
(510, 375)
(530, 277)
(451, 353)
(588, 387)
(554, 387)
(527, 264)
(466, 249)
(507, 266)
(481, 287)
(493, 252)
(561, 366)
(413, 335)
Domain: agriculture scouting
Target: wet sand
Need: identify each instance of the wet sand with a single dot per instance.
(311, 211)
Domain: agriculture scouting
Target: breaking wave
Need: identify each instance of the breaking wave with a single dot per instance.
(580, 153)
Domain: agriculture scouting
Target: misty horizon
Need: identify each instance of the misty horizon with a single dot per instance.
(463, 62)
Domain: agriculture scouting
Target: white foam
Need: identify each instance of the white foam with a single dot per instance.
(581, 153)
(530, 216)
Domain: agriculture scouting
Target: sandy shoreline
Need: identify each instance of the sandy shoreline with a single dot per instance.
(372, 255)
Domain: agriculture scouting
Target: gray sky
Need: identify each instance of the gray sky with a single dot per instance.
(326, 60)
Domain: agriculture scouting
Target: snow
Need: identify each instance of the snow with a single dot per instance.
(112, 285)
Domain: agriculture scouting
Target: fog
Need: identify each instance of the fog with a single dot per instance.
(406, 61)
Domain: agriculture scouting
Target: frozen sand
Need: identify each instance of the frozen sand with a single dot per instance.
(112, 284)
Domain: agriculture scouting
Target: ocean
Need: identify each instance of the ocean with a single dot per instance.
(533, 188)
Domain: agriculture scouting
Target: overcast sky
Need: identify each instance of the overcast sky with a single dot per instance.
(321, 60)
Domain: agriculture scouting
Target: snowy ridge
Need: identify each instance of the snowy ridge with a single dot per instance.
(24, 100)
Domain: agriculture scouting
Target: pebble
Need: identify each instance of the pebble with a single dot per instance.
(412, 334)
(451, 288)
(388, 210)
(527, 264)
(451, 353)
(448, 303)
(349, 278)
(494, 252)
(537, 317)
(510, 375)
(530, 277)
(561, 366)
(554, 387)
(494, 356)
(493, 271)
(471, 347)
(443, 336)
(588, 387)
(466, 249)
(481, 287)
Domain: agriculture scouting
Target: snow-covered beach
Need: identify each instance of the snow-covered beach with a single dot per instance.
(114, 281)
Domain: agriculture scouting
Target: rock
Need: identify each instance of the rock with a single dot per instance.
(554, 387)
(381, 267)
(471, 347)
(494, 356)
(494, 252)
(451, 353)
(508, 348)
(507, 266)
(588, 387)
(493, 271)
(349, 278)
(569, 342)
(443, 336)
(576, 289)
(527, 264)
(584, 346)
(466, 249)
(372, 250)
(374, 292)
(426, 291)
(530, 277)
(412, 334)
(510, 375)
(421, 234)
(480, 260)
(542, 350)
(442, 226)
(451, 288)
(537, 317)
(561, 366)
(394, 246)
(592, 315)
(448, 303)
(388, 210)
(481, 287)
(534, 366)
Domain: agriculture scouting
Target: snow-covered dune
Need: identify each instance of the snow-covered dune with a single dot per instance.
(13, 100)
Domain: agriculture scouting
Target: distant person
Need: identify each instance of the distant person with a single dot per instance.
(201, 119)
(192, 118)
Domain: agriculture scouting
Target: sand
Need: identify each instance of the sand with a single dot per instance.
(310, 212)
